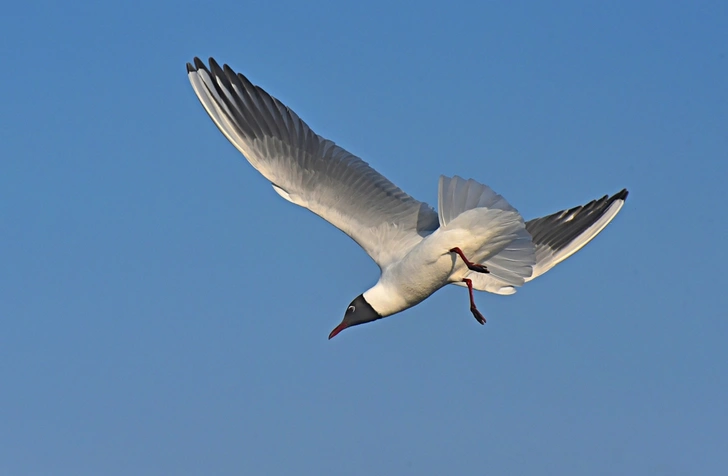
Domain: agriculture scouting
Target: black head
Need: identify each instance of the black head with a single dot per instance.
(358, 312)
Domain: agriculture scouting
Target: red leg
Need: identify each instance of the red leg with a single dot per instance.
(471, 266)
(478, 316)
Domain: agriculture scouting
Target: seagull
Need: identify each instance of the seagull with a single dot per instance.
(476, 239)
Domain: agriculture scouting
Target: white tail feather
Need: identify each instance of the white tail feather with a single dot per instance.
(457, 195)
(503, 244)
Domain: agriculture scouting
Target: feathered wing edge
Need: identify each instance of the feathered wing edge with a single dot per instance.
(560, 235)
(311, 171)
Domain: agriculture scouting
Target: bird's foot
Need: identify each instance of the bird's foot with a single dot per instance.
(480, 268)
(471, 266)
(477, 315)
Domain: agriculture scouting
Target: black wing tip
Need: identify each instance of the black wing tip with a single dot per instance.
(215, 69)
(606, 202)
(553, 231)
(197, 64)
(621, 195)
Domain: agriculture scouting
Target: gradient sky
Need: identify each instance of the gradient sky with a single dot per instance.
(163, 311)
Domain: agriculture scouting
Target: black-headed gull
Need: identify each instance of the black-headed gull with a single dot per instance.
(477, 239)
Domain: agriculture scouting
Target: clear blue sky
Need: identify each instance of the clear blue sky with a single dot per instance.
(163, 311)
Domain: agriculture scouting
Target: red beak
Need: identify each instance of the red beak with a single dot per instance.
(337, 329)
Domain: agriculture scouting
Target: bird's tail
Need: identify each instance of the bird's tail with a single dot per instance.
(510, 264)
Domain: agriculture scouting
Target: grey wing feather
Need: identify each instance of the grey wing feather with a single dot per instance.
(309, 170)
(562, 234)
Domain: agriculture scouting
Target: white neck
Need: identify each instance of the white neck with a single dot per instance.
(385, 300)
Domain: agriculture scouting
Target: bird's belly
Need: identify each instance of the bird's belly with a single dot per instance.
(425, 269)
(421, 273)
(420, 282)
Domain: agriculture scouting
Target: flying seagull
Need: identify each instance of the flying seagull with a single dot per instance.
(476, 240)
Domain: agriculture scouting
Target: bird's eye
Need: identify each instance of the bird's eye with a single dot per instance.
(351, 309)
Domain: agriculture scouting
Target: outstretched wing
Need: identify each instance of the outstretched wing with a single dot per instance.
(562, 234)
(311, 171)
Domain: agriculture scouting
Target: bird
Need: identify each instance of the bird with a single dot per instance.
(476, 239)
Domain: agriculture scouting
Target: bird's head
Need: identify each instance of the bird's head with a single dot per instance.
(358, 312)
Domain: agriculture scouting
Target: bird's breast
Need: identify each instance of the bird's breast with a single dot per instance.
(424, 270)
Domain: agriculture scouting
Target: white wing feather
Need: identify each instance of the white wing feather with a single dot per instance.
(311, 171)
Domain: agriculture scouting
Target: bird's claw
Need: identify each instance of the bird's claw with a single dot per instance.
(477, 315)
(480, 268)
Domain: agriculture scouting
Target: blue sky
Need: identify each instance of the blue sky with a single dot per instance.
(163, 311)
